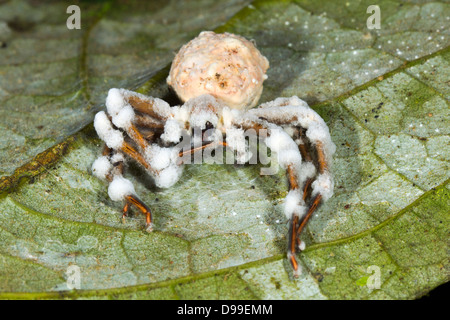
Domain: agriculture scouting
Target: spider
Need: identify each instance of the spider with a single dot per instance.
(219, 76)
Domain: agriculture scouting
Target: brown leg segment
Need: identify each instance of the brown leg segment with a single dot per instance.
(293, 225)
(126, 209)
(318, 198)
(315, 203)
(191, 151)
(134, 154)
(137, 137)
(132, 199)
(323, 165)
(144, 106)
(293, 243)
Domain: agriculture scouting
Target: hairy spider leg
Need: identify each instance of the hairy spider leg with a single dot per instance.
(148, 120)
(261, 129)
(151, 116)
(118, 168)
(132, 199)
(193, 150)
(293, 223)
(323, 166)
(130, 151)
(297, 224)
(146, 107)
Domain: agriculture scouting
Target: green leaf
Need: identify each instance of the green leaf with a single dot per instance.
(220, 232)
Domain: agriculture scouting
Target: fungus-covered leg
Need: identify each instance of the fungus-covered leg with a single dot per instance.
(110, 167)
(149, 106)
(293, 223)
(157, 109)
(314, 188)
(143, 208)
(295, 208)
(290, 158)
(310, 133)
(322, 186)
(121, 189)
(114, 139)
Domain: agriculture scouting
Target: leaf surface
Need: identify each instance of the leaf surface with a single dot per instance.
(220, 232)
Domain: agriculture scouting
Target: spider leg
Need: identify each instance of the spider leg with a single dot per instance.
(145, 105)
(148, 122)
(122, 118)
(316, 187)
(296, 200)
(193, 150)
(132, 199)
(143, 208)
(116, 169)
(129, 150)
(323, 167)
(293, 225)
(297, 219)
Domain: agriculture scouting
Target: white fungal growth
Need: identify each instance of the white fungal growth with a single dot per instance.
(124, 117)
(122, 114)
(117, 157)
(323, 185)
(161, 107)
(228, 115)
(235, 138)
(113, 138)
(101, 167)
(181, 113)
(172, 131)
(159, 157)
(203, 109)
(294, 204)
(227, 66)
(302, 245)
(120, 187)
(168, 176)
(164, 162)
(307, 171)
(297, 112)
(287, 150)
(290, 157)
(289, 130)
(115, 101)
(318, 132)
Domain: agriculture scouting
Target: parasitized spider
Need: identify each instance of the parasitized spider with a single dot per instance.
(220, 77)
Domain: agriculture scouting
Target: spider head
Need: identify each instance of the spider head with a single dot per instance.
(203, 116)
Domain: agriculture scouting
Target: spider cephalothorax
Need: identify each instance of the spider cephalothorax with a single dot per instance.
(220, 76)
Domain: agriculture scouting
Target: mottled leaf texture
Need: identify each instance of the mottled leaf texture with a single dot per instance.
(220, 232)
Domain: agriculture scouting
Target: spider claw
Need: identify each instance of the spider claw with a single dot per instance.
(296, 269)
(125, 210)
(297, 273)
